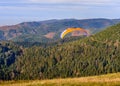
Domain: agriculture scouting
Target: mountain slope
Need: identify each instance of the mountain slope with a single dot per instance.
(37, 31)
(94, 55)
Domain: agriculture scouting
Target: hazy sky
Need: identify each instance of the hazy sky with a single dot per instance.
(16, 11)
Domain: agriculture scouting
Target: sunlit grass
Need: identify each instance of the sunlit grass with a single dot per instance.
(102, 80)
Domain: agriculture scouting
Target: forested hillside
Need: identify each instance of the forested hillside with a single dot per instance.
(8, 54)
(93, 55)
(49, 30)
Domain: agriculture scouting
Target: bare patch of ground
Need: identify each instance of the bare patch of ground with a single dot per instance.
(50, 35)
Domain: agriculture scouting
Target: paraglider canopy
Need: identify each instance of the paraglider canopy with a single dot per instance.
(68, 30)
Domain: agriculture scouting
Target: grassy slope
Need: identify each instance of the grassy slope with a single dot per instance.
(102, 80)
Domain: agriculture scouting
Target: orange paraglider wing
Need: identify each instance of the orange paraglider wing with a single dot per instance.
(68, 30)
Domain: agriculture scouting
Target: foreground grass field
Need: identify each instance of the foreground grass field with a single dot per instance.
(102, 80)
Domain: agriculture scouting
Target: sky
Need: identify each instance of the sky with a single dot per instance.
(17, 11)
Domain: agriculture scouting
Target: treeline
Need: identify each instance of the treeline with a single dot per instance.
(49, 43)
(94, 55)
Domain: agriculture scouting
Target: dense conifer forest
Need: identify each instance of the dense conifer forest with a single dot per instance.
(93, 55)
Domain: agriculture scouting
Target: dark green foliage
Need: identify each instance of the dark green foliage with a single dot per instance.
(8, 55)
(93, 55)
(50, 43)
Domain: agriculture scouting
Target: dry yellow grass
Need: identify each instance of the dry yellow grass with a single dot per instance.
(102, 80)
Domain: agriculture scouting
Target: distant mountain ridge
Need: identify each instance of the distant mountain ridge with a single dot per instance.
(37, 31)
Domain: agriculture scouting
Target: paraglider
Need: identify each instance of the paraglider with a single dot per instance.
(68, 30)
